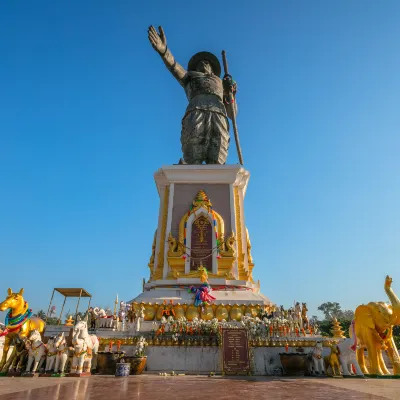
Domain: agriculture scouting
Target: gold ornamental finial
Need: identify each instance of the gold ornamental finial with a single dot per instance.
(201, 199)
(336, 330)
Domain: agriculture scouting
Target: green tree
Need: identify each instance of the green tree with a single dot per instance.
(330, 310)
(41, 314)
(334, 310)
(49, 321)
(346, 315)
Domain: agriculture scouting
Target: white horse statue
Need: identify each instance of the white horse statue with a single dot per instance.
(85, 346)
(122, 316)
(51, 354)
(62, 353)
(37, 350)
(140, 318)
(318, 360)
(347, 353)
(104, 318)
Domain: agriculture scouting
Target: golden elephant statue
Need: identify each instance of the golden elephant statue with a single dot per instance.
(373, 324)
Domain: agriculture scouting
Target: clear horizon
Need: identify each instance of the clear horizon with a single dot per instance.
(89, 113)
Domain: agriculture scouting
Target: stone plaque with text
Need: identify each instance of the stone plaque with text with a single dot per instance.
(201, 244)
(235, 349)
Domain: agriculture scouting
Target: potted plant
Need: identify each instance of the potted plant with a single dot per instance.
(138, 360)
(295, 363)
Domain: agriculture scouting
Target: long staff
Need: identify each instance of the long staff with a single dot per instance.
(232, 106)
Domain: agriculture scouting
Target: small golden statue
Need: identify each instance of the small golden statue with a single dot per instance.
(69, 321)
(333, 360)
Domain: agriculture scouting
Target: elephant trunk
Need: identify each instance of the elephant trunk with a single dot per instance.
(353, 336)
(393, 299)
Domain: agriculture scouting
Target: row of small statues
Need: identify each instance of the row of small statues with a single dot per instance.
(291, 328)
(126, 319)
(296, 314)
(31, 354)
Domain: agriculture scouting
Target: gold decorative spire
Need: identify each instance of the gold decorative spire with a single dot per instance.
(201, 199)
(337, 330)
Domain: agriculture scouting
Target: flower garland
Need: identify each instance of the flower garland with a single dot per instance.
(230, 97)
(14, 323)
(202, 293)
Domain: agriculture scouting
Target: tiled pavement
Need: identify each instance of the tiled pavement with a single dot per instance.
(154, 387)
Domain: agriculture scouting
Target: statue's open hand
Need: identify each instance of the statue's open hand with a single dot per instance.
(157, 40)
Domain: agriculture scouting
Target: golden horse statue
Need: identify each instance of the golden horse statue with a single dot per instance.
(19, 321)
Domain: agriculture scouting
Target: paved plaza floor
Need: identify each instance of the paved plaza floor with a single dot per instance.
(154, 387)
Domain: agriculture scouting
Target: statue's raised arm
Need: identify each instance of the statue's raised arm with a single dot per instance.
(205, 126)
(159, 42)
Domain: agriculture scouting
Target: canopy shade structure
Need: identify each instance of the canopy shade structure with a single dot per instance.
(69, 292)
(73, 292)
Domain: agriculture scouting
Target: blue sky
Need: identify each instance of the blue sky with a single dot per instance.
(88, 113)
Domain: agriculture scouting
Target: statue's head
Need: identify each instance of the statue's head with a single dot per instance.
(13, 300)
(205, 62)
(35, 335)
(204, 66)
(81, 324)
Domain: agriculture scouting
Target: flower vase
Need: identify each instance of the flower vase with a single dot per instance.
(122, 369)
(137, 364)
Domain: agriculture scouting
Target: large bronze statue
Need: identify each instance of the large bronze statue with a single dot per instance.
(205, 126)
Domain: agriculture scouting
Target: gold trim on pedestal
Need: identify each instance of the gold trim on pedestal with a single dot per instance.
(249, 256)
(158, 274)
(153, 253)
(175, 248)
(225, 266)
(224, 263)
(177, 267)
(154, 311)
(243, 275)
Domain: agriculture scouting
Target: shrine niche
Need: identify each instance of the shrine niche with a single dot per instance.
(201, 241)
(201, 249)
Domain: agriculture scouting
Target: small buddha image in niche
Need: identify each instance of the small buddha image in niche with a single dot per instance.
(201, 243)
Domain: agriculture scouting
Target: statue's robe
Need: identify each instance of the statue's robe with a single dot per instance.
(205, 126)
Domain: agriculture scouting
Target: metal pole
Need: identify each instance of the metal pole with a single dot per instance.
(62, 309)
(51, 300)
(77, 306)
(232, 106)
(90, 300)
